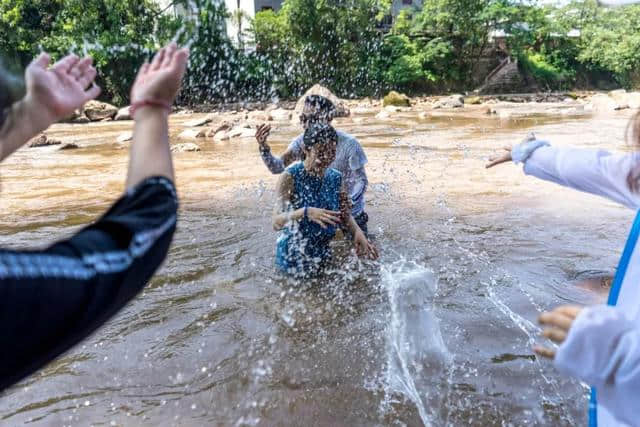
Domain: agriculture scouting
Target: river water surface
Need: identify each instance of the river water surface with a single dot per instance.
(439, 332)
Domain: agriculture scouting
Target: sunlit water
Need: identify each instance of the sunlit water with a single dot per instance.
(439, 332)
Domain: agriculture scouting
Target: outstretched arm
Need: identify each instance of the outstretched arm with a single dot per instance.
(275, 164)
(52, 94)
(614, 176)
(152, 94)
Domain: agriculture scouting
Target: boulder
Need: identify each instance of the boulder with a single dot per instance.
(123, 114)
(221, 136)
(259, 116)
(224, 126)
(241, 132)
(43, 141)
(69, 146)
(602, 102)
(364, 110)
(342, 110)
(96, 110)
(633, 99)
(185, 147)
(82, 119)
(617, 92)
(383, 115)
(453, 101)
(280, 115)
(125, 137)
(193, 133)
(396, 99)
(472, 100)
(198, 122)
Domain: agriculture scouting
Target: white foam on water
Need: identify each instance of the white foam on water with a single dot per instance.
(413, 334)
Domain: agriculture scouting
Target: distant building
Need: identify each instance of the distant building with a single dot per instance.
(243, 12)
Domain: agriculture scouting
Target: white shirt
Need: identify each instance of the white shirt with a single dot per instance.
(603, 345)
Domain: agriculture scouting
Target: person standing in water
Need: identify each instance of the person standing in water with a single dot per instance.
(350, 159)
(51, 299)
(312, 202)
(600, 344)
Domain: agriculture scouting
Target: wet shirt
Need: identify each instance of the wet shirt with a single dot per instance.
(350, 161)
(303, 246)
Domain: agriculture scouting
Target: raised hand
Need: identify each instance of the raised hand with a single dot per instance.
(262, 134)
(56, 92)
(496, 160)
(158, 82)
(558, 322)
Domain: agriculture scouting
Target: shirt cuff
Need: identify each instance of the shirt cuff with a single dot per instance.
(521, 152)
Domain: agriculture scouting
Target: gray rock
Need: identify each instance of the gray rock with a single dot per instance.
(198, 122)
(123, 114)
(125, 137)
(453, 101)
(96, 110)
(185, 147)
(43, 141)
(193, 133)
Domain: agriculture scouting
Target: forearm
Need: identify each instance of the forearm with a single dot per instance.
(274, 164)
(150, 152)
(281, 219)
(21, 124)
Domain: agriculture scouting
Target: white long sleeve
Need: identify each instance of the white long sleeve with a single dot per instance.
(603, 350)
(593, 171)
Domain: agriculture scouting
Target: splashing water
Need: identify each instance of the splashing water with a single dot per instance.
(414, 339)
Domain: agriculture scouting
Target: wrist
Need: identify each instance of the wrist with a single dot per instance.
(145, 108)
(34, 114)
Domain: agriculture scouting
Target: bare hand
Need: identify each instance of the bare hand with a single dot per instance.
(262, 134)
(496, 160)
(323, 217)
(558, 322)
(160, 80)
(55, 93)
(364, 247)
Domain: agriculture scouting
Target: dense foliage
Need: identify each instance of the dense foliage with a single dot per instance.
(354, 47)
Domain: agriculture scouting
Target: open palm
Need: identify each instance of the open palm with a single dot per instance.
(58, 91)
(160, 80)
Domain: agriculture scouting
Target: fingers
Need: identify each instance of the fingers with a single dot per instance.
(81, 67)
(493, 161)
(87, 77)
(571, 311)
(556, 319)
(544, 352)
(92, 93)
(169, 52)
(373, 250)
(157, 59)
(144, 68)
(41, 61)
(63, 66)
(319, 222)
(179, 61)
(555, 334)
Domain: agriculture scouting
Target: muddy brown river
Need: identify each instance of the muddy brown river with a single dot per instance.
(438, 332)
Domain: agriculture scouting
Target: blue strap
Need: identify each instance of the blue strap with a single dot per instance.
(614, 293)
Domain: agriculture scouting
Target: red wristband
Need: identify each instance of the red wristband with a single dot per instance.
(148, 103)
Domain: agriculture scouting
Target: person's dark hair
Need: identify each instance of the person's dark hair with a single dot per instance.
(325, 109)
(11, 91)
(319, 133)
